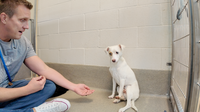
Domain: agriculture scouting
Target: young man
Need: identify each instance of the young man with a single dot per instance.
(23, 95)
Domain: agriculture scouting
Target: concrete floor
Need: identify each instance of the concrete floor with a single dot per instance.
(154, 87)
(99, 102)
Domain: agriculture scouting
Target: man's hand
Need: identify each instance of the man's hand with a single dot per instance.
(83, 90)
(36, 84)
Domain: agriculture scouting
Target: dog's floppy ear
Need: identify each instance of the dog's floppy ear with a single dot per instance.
(121, 47)
(106, 50)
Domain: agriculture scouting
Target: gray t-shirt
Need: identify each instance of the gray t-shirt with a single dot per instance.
(14, 54)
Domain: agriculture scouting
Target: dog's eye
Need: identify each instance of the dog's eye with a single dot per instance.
(117, 52)
(110, 54)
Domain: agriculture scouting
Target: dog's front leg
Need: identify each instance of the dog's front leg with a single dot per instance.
(113, 90)
(121, 87)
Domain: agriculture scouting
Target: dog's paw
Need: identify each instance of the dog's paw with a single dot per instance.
(111, 97)
(121, 110)
(116, 101)
(117, 97)
(121, 98)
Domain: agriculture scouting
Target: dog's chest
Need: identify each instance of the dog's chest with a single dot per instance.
(116, 74)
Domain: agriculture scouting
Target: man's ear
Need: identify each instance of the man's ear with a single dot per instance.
(121, 47)
(3, 18)
(106, 50)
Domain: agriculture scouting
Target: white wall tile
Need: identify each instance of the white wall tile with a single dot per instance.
(141, 16)
(166, 58)
(127, 3)
(61, 1)
(43, 42)
(72, 56)
(144, 2)
(59, 41)
(84, 6)
(125, 36)
(81, 29)
(43, 14)
(131, 17)
(166, 11)
(159, 1)
(154, 37)
(96, 57)
(71, 23)
(49, 27)
(43, 54)
(102, 20)
(45, 3)
(49, 55)
(63, 10)
(85, 39)
(108, 4)
(143, 58)
(53, 56)
(54, 12)
(152, 14)
(112, 4)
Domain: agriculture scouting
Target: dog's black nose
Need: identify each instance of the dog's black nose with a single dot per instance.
(113, 60)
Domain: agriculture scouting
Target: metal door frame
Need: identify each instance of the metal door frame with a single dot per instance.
(190, 69)
(193, 104)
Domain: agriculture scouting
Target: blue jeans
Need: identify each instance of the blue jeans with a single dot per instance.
(27, 103)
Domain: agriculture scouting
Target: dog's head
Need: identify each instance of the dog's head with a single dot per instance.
(115, 52)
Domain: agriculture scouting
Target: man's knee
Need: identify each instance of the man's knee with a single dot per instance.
(50, 87)
(59, 91)
(55, 90)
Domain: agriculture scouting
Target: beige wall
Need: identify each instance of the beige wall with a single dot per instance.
(33, 10)
(78, 31)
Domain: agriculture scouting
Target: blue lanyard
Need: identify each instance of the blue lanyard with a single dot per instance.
(8, 74)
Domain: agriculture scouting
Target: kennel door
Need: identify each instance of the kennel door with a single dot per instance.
(181, 58)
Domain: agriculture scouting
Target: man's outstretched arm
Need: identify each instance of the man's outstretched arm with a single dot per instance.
(40, 68)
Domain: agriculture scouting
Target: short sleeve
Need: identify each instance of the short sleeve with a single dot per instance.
(30, 50)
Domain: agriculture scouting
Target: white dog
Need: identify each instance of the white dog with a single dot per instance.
(124, 77)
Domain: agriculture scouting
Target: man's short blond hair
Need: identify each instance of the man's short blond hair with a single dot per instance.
(9, 6)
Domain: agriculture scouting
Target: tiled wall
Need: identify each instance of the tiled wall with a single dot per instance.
(181, 40)
(78, 31)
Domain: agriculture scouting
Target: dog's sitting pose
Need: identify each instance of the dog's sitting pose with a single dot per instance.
(124, 77)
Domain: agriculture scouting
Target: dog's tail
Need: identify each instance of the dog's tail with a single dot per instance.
(133, 105)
